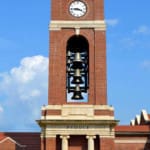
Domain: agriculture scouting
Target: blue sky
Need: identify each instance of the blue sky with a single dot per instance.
(24, 52)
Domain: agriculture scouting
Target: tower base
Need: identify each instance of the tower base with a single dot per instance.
(77, 127)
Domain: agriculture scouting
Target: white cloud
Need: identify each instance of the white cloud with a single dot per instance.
(142, 30)
(29, 68)
(112, 22)
(27, 79)
(24, 90)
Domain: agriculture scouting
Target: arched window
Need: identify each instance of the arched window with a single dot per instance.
(77, 65)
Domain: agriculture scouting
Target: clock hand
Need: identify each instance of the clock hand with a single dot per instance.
(78, 9)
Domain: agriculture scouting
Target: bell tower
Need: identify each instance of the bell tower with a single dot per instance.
(77, 116)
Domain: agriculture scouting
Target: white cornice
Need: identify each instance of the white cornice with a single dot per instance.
(88, 24)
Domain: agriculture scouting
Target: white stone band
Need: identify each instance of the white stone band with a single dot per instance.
(90, 24)
(130, 141)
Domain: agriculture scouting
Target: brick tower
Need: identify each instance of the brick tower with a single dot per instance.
(77, 116)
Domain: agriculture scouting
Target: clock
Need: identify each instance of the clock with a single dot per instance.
(77, 8)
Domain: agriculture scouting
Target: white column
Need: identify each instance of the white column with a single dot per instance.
(90, 141)
(64, 143)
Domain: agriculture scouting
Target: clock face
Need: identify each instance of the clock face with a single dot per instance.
(77, 8)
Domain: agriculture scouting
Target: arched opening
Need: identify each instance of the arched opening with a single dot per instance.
(77, 68)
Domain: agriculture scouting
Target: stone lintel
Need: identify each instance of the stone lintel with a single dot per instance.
(110, 123)
(78, 129)
(89, 24)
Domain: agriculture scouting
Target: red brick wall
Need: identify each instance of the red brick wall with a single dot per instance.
(100, 68)
(103, 112)
(97, 66)
(132, 137)
(107, 144)
(51, 112)
(31, 140)
(59, 10)
(133, 146)
(7, 145)
(77, 143)
(97, 53)
(50, 144)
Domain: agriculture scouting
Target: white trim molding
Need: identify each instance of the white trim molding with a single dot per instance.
(136, 141)
(89, 24)
(10, 139)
